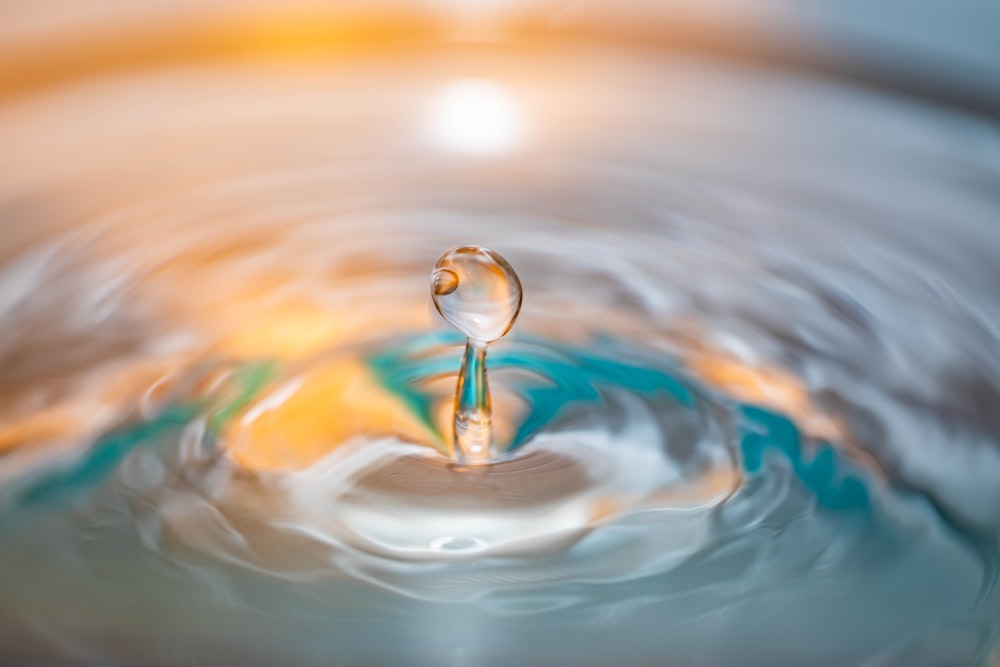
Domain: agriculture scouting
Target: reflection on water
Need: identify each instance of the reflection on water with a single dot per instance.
(747, 415)
(476, 118)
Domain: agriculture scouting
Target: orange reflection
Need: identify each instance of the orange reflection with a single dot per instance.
(770, 387)
(134, 43)
(302, 420)
(121, 36)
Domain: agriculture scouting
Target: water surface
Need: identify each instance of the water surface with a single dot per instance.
(747, 416)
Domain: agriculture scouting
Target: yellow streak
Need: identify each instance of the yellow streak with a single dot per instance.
(175, 39)
(331, 406)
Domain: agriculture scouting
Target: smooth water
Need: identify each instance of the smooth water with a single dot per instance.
(747, 416)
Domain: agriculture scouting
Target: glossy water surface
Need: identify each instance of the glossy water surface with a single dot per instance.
(747, 417)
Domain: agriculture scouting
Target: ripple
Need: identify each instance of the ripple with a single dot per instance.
(747, 418)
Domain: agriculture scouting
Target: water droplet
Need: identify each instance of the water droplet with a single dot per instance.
(478, 293)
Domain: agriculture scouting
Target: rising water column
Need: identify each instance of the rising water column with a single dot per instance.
(478, 293)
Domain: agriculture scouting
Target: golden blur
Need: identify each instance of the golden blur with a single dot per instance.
(121, 46)
(300, 421)
(119, 37)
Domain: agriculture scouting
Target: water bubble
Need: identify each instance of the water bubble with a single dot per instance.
(478, 293)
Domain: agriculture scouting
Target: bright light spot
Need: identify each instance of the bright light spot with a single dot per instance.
(476, 117)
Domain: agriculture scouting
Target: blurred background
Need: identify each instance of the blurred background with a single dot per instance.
(933, 49)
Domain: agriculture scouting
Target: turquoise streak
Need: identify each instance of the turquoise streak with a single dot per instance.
(576, 377)
(571, 377)
(105, 455)
(836, 483)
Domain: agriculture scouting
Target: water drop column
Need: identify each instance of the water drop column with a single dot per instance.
(477, 292)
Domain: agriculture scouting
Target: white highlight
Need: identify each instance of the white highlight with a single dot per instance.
(476, 117)
(458, 544)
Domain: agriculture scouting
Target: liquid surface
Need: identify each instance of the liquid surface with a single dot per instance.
(749, 407)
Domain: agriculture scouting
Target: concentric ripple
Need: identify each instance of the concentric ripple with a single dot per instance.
(747, 417)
